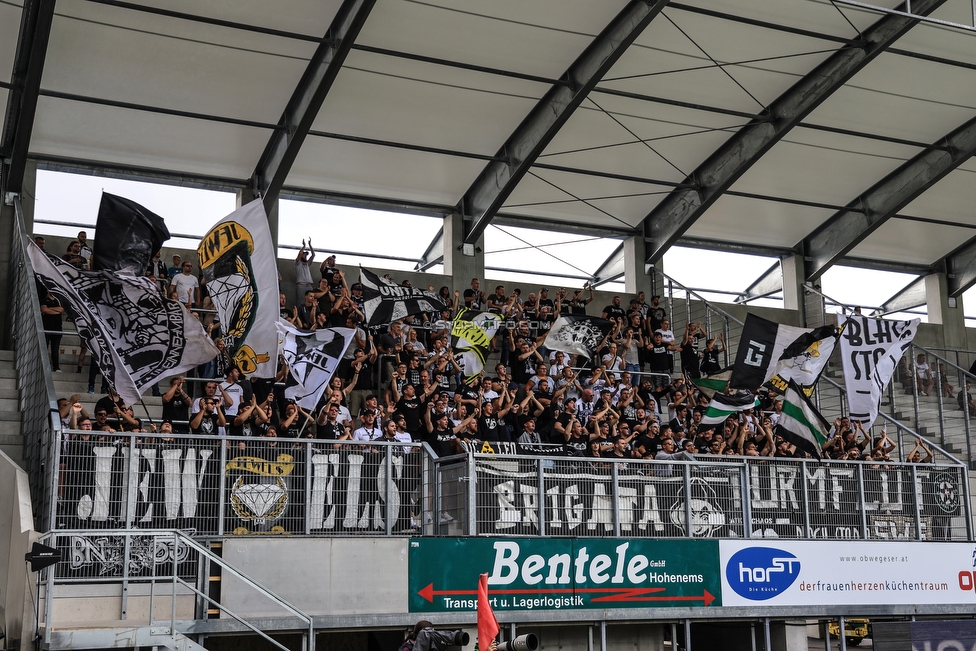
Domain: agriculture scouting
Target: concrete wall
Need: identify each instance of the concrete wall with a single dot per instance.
(16, 537)
(929, 335)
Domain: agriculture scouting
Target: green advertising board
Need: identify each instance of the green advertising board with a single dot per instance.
(560, 573)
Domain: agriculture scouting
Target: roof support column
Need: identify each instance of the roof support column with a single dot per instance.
(945, 310)
(792, 269)
(636, 278)
(462, 261)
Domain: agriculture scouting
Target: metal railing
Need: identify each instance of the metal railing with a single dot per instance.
(684, 306)
(38, 402)
(215, 486)
(153, 566)
(732, 497)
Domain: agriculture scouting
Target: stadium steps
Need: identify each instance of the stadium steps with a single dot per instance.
(928, 423)
(11, 440)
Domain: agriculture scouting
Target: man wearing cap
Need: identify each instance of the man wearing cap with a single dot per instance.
(529, 435)
(370, 407)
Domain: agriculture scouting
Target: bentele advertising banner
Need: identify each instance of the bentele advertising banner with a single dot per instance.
(810, 573)
(559, 573)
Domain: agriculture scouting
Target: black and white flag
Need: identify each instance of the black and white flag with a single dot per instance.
(312, 359)
(471, 333)
(136, 336)
(871, 349)
(776, 353)
(384, 301)
(577, 335)
(238, 261)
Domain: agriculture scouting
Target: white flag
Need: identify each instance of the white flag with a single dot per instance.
(136, 336)
(870, 349)
(312, 359)
(577, 335)
(238, 261)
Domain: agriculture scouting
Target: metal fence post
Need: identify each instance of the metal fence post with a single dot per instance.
(615, 496)
(542, 497)
(222, 485)
(389, 490)
(806, 499)
(746, 501)
(967, 500)
(686, 474)
(308, 485)
(472, 496)
(916, 496)
(861, 495)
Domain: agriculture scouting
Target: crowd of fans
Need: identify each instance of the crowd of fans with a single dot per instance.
(632, 399)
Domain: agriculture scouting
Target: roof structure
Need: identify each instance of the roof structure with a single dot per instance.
(834, 129)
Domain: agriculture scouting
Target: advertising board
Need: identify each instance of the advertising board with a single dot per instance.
(559, 573)
(812, 573)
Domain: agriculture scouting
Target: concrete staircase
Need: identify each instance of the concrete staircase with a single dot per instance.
(69, 382)
(929, 423)
(11, 441)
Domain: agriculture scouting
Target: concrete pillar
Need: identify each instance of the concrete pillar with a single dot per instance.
(246, 196)
(7, 217)
(945, 310)
(461, 262)
(27, 195)
(789, 635)
(636, 277)
(792, 268)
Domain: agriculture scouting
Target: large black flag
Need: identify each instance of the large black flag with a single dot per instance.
(128, 236)
(384, 301)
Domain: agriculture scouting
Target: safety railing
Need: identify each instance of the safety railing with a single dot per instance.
(732, 497)
(215, 486)
(685, 306)
(38, 403)
(160, 572)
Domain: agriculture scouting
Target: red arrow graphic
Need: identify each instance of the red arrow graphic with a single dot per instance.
(612, 594)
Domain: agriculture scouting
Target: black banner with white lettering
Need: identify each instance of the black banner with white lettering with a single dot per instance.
(295, 487)
(384, 301)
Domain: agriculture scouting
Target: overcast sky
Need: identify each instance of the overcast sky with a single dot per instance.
(190, 212)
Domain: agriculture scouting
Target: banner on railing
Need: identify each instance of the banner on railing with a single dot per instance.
(578, 500)
(278, 487)
(176, 484)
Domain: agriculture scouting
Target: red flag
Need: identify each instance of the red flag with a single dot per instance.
(487, 624)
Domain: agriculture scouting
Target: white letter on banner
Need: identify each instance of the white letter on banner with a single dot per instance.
(505, 569)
